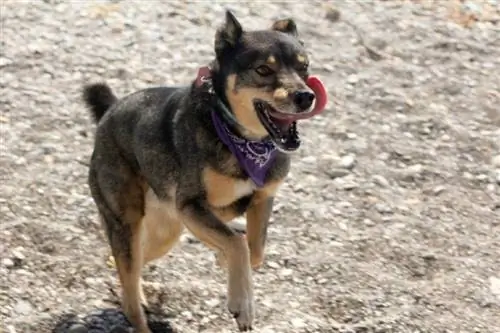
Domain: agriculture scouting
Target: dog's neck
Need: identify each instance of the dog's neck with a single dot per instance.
(255, 157)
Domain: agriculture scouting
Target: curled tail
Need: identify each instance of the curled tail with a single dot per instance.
(98, 97)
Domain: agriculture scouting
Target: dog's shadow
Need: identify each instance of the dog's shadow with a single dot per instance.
(108, 320)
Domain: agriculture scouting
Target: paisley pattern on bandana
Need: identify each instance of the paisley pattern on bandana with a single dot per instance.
(255, 157)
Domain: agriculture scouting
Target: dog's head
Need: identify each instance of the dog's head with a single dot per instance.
(264, 75)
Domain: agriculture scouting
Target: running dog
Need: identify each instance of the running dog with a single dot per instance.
(198, 156)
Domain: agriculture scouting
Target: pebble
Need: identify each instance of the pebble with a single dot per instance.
(16, 253)
(286, 272)
(383, 208)
(413, 171)
(438, 190)
(273, 264)
(212, 302)
(329, 68)
(497, 176)
(298, 323)
(337, 173)
(7, 262)
(347, 162)
(368, 222)
(352, 79)
(496, 161)
(380, 181)
(23, 308)
(495, 286)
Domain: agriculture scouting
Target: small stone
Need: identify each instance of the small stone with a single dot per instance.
(78, 328)
(383, 208)
(187, 314)
(329, 68)
(7, 262)
(298, 323)
(273, 264)
(337, 173)
(352, 79)
(16, 253)
(368, 222)
(309, 159)
(332, 14)
(482, 177)
(286, 272)
(412, 172)
(212, 302)
(497, 176)
(348, 162)
(438, 190)
(495, 286)
(23, 308)
(496, 161)
(380, 181)
(346, 185)
(5, 62)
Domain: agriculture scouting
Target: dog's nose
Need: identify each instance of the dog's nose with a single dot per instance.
(303, 99)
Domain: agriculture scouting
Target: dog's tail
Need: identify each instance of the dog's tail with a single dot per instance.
(99, 97)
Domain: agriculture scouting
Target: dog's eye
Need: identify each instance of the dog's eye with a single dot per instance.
(264, 70)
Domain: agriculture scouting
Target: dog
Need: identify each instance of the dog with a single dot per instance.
(198, 156)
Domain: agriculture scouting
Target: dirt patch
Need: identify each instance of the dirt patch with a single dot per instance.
(389, 222)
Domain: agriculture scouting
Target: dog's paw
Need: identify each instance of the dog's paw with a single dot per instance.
(256, 260)
(242, 309)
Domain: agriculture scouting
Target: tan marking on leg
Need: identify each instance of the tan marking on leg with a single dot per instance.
(257, 216)
(163, 226)
(129, 271)
(129, 256)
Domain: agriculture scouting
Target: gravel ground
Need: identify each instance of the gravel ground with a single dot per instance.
(390, 221)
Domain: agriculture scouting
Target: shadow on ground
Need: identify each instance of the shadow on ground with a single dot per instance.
(109, 320)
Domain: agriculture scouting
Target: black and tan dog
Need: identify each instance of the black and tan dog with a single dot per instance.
(198, 156)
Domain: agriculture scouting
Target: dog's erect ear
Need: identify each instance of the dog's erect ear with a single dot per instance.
(287, 26)
(229, 34)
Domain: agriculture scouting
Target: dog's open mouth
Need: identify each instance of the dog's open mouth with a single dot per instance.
(282, 127)
(282, 131)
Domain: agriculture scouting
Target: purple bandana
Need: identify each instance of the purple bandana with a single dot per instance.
(255, 157)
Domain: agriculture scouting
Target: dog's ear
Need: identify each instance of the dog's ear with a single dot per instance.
(229, 34)
(287, 26)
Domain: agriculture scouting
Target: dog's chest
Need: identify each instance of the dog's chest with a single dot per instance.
(223, 190)
(243, 188)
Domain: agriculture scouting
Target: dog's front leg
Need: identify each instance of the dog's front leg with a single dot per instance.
(217, 235)
(258, 215)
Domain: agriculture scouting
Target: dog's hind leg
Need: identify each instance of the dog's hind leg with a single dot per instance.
(120, 200)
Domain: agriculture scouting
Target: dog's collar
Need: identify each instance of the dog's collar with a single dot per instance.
(204, 80)
(254, 156)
